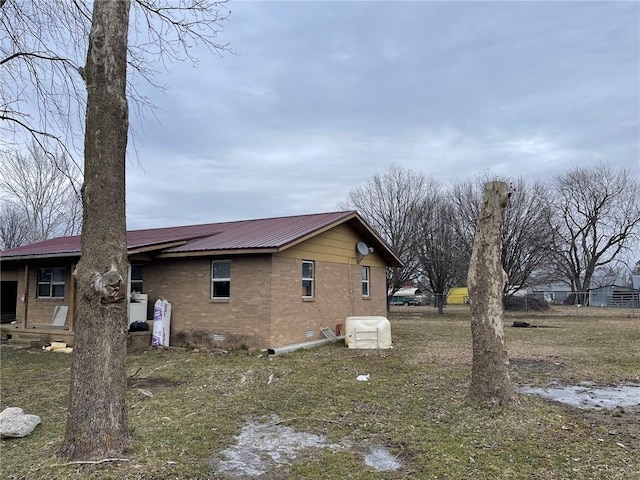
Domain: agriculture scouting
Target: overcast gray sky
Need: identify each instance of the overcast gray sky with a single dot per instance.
(320, 96)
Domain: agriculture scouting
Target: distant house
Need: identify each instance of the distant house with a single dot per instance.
(262, 283)
(555, 293)
(614, 296)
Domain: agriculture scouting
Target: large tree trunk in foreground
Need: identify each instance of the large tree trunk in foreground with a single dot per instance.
(97, 418)
(490, 383)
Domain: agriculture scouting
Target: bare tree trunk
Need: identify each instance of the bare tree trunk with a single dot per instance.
(490, 383)
(97, 418)
(440, 302)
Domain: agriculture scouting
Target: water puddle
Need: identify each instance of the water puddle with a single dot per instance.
(261, 446)
(588, 396)
(380, 459)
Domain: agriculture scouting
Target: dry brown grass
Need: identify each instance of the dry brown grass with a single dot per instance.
(415, 404)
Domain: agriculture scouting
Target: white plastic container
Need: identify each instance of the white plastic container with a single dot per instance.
(367, 332)
(138, 307)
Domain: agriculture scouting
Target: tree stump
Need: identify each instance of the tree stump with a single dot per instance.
(490, 382)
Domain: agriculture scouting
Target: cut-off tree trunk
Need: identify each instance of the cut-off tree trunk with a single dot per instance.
(490, 382)
(97, 422)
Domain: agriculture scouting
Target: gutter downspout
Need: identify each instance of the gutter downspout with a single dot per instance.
(298, 346)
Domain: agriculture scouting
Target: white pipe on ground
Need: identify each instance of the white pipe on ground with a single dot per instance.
(298, 346)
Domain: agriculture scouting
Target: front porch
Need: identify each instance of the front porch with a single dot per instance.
(37, 337)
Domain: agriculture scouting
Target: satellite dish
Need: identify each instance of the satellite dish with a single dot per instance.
(362, 248)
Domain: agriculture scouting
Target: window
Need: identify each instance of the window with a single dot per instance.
(136, 278)
(51, 283)
(220, 278)
(307, 278)
(365, 281)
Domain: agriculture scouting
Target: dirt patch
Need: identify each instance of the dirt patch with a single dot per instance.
(621, 425)
(537, 365)
(152, 382)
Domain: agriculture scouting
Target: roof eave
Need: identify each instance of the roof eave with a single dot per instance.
(218, 253)
(39, 256)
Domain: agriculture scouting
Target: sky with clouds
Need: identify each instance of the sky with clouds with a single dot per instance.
(320, 96)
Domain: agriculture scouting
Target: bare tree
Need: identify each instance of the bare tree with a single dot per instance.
(98, 374)
(597, 219)
(526, 234)
(437, 244)
(490, 382)
(389, 203)
(44, 191)
(44, 43)
(14, 231)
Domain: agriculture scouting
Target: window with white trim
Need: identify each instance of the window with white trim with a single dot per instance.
(51, 282)
(365, 281)
(308, 267)
(136, 278)
(221, 279)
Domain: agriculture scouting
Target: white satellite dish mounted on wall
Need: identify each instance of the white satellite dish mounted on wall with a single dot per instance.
(363, 250)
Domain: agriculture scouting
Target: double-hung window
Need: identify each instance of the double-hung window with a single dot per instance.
(365, 281)
(221, 279)
(308, 290)
(51, 282)
(136, 278)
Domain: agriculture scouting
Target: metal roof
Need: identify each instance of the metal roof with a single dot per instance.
(267, 235)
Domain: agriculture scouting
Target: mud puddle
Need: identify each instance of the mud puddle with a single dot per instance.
(587, 396)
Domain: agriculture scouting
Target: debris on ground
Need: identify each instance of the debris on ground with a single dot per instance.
(57, 347)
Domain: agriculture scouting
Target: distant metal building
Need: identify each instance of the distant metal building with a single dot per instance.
(614, 296)
(458, 296)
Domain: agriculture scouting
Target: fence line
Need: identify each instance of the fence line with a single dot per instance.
(615, 299)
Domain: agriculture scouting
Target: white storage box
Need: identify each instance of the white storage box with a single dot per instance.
(367, 332)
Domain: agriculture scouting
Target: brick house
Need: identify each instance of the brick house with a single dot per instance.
(262, 283)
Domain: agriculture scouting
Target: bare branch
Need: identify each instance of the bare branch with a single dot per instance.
(40, 62)
(37, 55)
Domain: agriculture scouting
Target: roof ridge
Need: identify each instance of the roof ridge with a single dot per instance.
(248, 220)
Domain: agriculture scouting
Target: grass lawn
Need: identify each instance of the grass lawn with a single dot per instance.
(187, 408)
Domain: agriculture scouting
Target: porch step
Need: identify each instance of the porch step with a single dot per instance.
(26, 338)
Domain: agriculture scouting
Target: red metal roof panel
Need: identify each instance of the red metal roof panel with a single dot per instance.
(244, 234)
(262, 233)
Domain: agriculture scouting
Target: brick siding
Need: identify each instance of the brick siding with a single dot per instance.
(265, 308)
